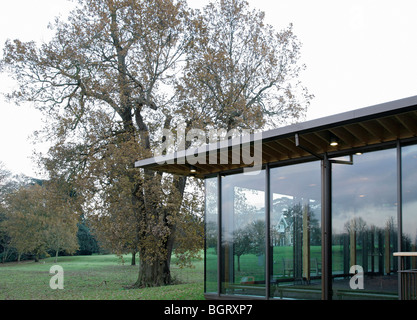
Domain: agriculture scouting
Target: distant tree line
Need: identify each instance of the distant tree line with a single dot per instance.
(39, 219)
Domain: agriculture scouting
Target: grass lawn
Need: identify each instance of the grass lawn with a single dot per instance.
(97, 277)
(251, 265)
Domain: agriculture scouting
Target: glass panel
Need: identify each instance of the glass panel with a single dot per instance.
(409, 197)
(211, 236)
(364, 226)
(243, 234)
(296, 231)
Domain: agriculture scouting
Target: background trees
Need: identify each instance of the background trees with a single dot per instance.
(40, 218)
(11, 185)
(116, 73)
(86, 240)
(26, 221)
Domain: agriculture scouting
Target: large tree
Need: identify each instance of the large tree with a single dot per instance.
(116, 73)
(241, 72)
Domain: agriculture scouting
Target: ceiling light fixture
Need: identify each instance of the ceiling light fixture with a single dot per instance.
(193, 169)
(334, 142)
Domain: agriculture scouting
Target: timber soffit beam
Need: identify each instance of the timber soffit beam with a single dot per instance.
(353, 129)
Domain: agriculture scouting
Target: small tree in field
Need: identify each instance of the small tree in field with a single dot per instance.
(39, 218)
(26, 221)
(63, 212)
(241, 244)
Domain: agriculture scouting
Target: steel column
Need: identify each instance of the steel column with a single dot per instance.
(326, 228)
(219, 234)
(268, 252)
(399, 214)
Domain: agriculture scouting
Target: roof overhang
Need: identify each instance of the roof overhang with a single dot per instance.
(366, 127)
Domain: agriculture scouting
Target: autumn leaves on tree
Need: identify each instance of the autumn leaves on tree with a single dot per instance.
(118, 72)
(37, 219)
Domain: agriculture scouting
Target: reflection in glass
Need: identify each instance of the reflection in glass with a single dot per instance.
(243, 234)
(364, 228)
(364, 223)
(409, 198)
(296, 231)
(211, 235)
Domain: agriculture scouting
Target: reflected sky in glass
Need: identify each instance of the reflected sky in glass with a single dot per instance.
(366, 189)
(409, 178)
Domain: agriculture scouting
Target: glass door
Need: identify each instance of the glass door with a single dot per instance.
(295, 231)
(364, 227)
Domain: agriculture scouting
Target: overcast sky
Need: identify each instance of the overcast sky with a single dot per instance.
(358, 53)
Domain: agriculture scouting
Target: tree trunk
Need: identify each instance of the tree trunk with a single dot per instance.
(5, 255)
(133, 259)
(154, 274)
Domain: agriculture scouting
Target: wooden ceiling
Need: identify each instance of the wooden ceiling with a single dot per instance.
(353, 130)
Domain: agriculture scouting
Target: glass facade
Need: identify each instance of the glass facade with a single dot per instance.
(364, 225)
(211, 231)
(264, 238)
(409, 203)
(295, 231)
(243, 234)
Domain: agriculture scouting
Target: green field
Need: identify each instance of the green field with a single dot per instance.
(96, 277)
(252, 266)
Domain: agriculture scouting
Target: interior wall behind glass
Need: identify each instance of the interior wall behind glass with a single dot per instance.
(211, 235)
(409, 197)
(296, 231)
(364, 222)
(243, 234)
